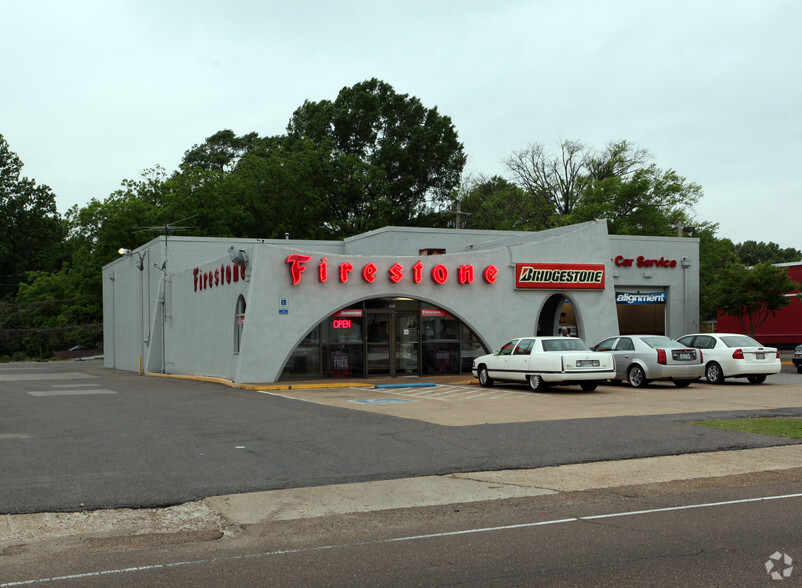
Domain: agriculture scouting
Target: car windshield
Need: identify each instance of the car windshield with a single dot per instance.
(662, 343)
(739, 341)
(564, 344)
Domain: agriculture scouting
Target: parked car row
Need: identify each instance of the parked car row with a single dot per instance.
(637, 359)
(798, 359)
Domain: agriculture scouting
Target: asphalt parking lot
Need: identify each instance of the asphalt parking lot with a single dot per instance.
(76, 435)
(460, 401)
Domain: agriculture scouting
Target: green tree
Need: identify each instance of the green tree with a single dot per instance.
(557, 181)
(753, 294)
(31, 232)
(753, 253)
(278, 185)
(649, 201)
(57, 311)
(280, 188)
(494, 204)
(715, 253)
(220, 152)
(392, 158)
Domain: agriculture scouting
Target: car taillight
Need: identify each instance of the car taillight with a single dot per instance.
(661, 356)
(738, 354)
(701, 357)
(778, 354)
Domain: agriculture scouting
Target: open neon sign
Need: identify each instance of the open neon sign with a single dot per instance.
(341, 323)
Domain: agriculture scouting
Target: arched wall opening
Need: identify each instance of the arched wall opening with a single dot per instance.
(388, 336)
(558, 312)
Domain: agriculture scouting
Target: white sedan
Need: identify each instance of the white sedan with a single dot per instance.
(540, 361)
(730, 355)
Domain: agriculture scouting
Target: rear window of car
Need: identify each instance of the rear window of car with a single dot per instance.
(564, 344)
(740, 341)
(662, 343)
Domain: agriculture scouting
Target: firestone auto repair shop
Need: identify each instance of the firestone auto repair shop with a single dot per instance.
(391, 302)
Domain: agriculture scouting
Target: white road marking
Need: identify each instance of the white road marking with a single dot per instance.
(448, 393)
(73, 385)
(5, 377)
(390, 540)
(69, 392)
(288, 397)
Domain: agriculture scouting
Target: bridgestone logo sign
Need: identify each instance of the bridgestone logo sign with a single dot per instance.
(560, 276)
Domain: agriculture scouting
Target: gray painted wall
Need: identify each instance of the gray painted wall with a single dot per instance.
(199, 322)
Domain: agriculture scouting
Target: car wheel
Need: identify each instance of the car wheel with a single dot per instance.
(799, 369)
(637, 377)
(588, 386)
(682, 383)
(537, 384)
(713, 373)
(485, 381)
(759, 379)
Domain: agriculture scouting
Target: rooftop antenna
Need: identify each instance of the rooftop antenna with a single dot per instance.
(167, 229)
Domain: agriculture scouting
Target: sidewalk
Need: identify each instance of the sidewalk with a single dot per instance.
(218, 515)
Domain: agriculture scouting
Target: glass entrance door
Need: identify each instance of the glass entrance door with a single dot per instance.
(405, 339)
(378, 343)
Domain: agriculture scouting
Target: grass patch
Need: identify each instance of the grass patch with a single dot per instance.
(778, 426)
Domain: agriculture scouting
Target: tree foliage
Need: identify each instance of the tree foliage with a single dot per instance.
(370, 157)
(219, 153)
(557, 181)
(494, 203)
(753, 294)
(753, 253)
(647, 201)
(392, 157)
(31, 231)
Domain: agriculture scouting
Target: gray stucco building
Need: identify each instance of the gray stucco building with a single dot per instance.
(395, 301)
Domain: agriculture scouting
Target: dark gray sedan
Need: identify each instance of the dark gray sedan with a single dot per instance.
(640, 359)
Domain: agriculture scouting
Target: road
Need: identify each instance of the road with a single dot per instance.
(712, 532)
(75, 437)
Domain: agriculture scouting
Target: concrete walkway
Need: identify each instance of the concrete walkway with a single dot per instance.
(220, 514)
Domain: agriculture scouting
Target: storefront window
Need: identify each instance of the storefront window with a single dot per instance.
(343, 361)
(441, 358)
(343, 327)
(303, 363)
(391, 336)
(312, 336)
(438, 325)
(470, 347)
(440, 337)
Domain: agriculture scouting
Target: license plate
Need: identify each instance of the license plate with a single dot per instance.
(760, 355)
(587, 363)
(685, 356)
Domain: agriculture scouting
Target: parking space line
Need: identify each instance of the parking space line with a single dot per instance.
(447, 393)
(69, 392)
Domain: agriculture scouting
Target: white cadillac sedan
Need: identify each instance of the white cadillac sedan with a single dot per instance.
(540, 361)
(730, 355)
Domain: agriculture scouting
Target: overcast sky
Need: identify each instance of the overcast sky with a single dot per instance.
(95, 92)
